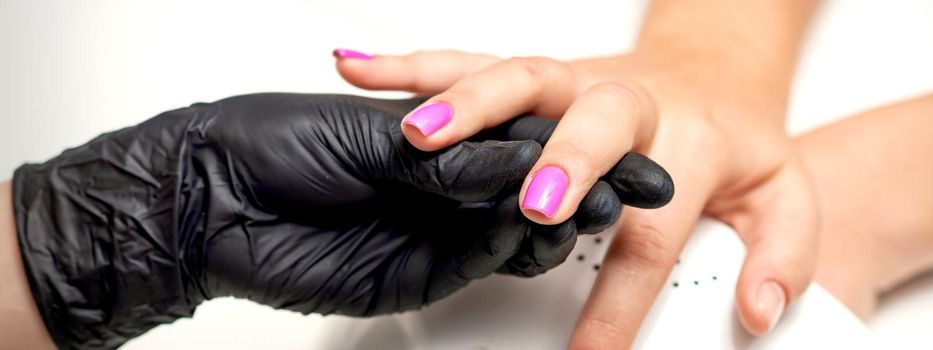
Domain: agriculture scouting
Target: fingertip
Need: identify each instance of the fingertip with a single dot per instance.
(354, 72)
(415, 136)
(781, 238)
(340, 53)
(430, 118)
(538, 216)
(599, 209)
(544, 195)
(372, 72)
(642, 183)
(761, 305)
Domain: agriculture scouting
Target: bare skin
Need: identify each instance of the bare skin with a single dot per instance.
(883, 154)
(21, 325)
(704, 93)
(872, 174)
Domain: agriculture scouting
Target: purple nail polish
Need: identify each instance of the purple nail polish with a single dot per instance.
(546, 191)
(428, 119)
(347, 53)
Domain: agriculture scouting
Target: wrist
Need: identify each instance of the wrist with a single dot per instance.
(98, 234)
(741, 78)
(20, 323)
(709, 88)
(747, 44)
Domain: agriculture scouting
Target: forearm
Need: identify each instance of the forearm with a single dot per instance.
(21, 326)
(750, 43)
(872, 176)
(884, 155)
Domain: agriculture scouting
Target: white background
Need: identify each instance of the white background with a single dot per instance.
(70, 70)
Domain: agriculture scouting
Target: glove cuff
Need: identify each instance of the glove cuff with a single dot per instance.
(97, 230)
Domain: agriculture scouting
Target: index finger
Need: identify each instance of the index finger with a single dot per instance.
(636, 266)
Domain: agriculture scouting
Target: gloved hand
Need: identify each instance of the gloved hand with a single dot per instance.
(312, 203)
(636, 180)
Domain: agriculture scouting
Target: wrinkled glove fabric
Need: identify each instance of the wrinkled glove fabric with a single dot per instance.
(311, 203)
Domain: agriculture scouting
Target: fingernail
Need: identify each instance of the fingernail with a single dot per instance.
(771, 302)
(347, 53)
(546, 191)
(430, 118)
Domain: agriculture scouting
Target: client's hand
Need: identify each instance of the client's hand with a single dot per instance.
(716, 128)
(313, 203)
(872, 179)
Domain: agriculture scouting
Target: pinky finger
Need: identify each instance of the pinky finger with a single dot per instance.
(421, 72)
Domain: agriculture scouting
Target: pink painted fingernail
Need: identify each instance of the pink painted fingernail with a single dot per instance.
(347, 53)
(428, 119)
(546, 191)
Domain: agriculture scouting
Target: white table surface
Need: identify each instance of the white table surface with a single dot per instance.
(70, 70)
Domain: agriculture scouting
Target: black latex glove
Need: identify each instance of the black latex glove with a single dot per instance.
(636, 180)
(313, 203)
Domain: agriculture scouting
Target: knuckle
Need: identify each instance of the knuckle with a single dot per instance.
(419, 58)
(633, 107)
(798, 277)
(617, 93)
(417, 83)
(646, 246)
(537, 69)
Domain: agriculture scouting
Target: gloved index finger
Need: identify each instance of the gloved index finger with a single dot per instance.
(467, 171)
